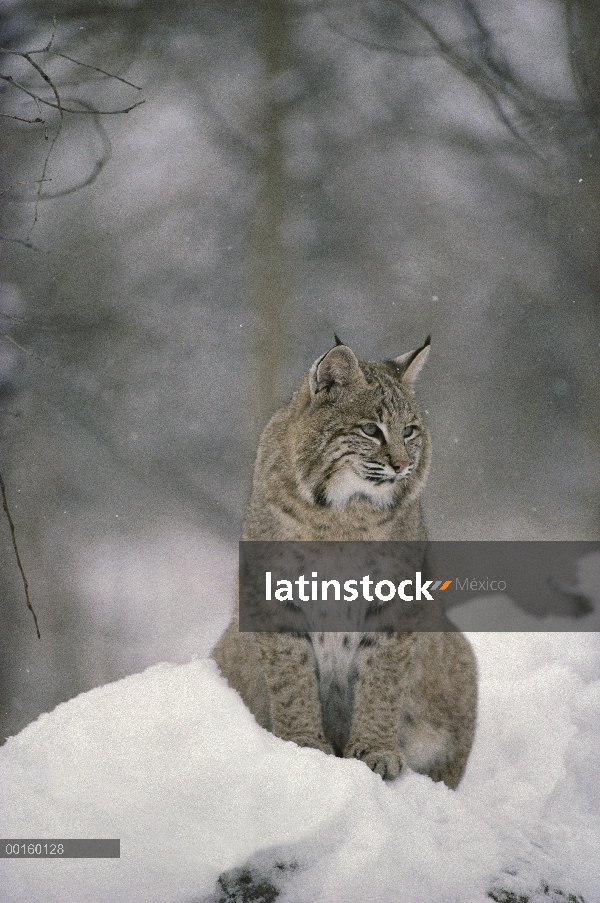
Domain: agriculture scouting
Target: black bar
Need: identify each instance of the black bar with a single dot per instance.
(306, 587)
(70, 848)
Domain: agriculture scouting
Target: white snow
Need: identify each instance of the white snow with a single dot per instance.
(172, 763)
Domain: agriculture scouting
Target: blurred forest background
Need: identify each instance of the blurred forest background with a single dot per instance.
(381, 169)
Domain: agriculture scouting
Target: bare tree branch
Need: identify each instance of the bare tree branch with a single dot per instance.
(99, 165)
(17, 555)
(57, 104)
(21, 241)
(62, 108)
(490, 73)
(21, 118)
(30, 182)
(87, 66)
(49, 81)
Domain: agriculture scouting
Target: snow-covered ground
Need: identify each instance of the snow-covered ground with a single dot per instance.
(172, 763)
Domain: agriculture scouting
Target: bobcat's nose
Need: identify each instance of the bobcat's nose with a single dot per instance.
(400, 464)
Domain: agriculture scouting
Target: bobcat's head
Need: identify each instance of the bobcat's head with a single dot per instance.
(359, 433)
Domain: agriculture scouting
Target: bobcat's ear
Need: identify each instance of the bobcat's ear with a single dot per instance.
(413, 361)
(338, 367)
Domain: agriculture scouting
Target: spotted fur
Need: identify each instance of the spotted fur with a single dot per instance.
(347, 459)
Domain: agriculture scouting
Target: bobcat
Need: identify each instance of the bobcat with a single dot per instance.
(347, 459)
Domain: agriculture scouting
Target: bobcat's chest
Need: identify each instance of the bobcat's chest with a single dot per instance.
(335, 655)
(338, 657)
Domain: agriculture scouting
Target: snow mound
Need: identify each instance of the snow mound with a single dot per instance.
(172, 763)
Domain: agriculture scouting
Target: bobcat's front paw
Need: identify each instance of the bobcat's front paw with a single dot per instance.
(385, 762)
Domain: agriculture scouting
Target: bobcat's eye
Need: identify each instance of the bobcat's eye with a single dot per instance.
(370, 429)
(408, 431)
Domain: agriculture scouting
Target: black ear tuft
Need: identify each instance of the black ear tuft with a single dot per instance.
(338, 341)
(412, 362)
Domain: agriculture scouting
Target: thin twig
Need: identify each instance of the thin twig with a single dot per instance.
(20, 118)
(381, 46)
(18, 557)
(29, 182)
(48, 103)
(53, 35)
(21, 241)
(5, 335)
(28, 320)
(71, 59)
(105, 155)
(49, 81)
(87, 66)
